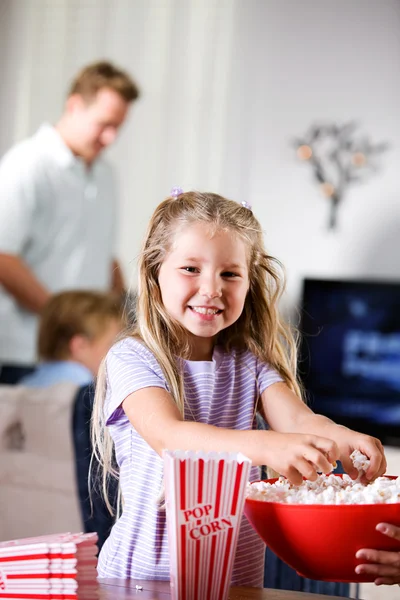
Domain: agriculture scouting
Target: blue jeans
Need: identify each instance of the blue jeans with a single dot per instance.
(94, 511)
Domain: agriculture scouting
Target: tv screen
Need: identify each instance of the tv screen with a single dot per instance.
(350, 354)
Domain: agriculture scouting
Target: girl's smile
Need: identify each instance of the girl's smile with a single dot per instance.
(204, 313)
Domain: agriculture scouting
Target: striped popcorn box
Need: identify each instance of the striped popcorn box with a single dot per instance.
(204, 496)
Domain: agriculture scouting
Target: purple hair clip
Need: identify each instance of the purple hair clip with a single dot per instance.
(176, 191)
(246, 205)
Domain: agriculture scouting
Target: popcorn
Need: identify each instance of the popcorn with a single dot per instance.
(360, 461)
(327, 489)
(330, 489)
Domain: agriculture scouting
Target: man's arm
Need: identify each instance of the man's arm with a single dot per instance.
(19, 191)
(117, 279)
(20, 282)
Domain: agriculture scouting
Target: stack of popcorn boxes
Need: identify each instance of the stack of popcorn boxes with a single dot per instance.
(205, 494)
(59, 567)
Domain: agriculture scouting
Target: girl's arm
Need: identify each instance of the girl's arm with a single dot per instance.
(156, 418)
(285, 412)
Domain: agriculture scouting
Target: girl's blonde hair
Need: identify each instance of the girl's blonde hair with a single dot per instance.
(259, 328)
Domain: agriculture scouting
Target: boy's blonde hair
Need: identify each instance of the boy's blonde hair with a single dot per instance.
(72, 313)
(258, 329)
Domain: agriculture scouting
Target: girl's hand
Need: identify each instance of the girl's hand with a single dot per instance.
(349, 440)
(385, 565)
(297, 455)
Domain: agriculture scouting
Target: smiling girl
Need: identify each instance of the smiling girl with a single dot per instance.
(209, 349)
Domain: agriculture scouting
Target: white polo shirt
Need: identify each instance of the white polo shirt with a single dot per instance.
(59, 217)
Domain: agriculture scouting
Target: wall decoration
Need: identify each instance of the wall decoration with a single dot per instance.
(339, 157)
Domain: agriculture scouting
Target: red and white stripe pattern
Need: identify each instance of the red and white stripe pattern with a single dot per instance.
(54, 567)
(205, 495)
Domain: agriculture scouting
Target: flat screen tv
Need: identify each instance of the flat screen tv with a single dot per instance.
(350, 354)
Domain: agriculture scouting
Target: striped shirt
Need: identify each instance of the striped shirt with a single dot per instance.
(220, 392)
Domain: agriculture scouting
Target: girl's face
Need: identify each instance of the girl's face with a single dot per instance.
(204, 282)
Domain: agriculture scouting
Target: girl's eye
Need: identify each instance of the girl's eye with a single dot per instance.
(229, 274)
(190, 269)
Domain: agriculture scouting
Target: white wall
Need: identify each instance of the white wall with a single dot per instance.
(317, 61)
(226, 85)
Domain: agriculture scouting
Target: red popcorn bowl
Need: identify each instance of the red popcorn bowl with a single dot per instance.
(320, 541)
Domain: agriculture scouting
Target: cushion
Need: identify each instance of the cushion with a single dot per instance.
(46, 417)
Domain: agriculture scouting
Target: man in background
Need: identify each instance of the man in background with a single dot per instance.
(58, 211)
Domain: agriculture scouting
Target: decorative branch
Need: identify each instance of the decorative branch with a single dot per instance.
(339, 159)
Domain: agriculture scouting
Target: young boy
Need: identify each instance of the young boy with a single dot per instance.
(76, 330)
